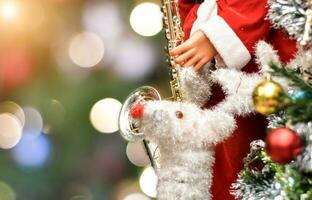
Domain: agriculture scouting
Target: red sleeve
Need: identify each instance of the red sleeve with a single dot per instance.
(185, 6)
(246, 18)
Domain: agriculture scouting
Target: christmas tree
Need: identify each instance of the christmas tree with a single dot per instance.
(281, 167)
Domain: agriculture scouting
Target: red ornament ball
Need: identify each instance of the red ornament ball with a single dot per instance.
(137, 111)
(283, 145)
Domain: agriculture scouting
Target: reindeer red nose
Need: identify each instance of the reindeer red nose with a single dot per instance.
(137, 111)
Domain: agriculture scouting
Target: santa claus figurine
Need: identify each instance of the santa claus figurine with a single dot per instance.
(227, 31)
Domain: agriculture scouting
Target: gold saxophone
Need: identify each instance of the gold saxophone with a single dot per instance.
(174, 35)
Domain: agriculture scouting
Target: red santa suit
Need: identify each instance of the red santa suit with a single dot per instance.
(234, 27)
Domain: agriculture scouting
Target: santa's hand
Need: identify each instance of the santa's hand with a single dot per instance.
(196, 51)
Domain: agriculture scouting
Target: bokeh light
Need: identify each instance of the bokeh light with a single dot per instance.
(6, 192)
(34, 121)
(21, 17)
(32, 151)
(103, 18)
(14, 109)
(136, 196)
(55, 114)
(137, 154)
(10, 130)
(8, 10)
(77, 191)
(64, 63)
(33, 15)
(15, 68)
(108, 160)
(104, 115)
(136, 59)
(86, 49)
(56, 57)
(146, 19)
(126, 187)
(148, 182)
(80, 197)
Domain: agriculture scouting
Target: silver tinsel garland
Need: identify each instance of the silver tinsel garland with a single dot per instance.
(267, 189)
(292, 16)
(271, 182)
(304, 160)
(277, 120)
(263, 186)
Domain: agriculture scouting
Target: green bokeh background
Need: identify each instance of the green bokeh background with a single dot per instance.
(83, 161)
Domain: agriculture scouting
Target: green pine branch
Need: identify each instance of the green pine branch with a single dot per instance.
(294, 184)
(299, 110)
(296, 80)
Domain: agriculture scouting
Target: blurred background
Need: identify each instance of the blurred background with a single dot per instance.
(66, 66)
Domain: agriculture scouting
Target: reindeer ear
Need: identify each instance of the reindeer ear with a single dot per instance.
(196, 85)
(266, 55)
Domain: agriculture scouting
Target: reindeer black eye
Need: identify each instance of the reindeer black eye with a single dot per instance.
(179, 114)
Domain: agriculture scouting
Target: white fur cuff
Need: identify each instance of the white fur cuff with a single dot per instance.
(227, 43)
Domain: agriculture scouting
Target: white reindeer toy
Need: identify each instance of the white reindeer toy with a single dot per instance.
(186, 134)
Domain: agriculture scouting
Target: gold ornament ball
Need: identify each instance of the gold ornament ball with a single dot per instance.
(268, 97)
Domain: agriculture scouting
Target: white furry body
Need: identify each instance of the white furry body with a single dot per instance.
(186, 144)
(186, 147)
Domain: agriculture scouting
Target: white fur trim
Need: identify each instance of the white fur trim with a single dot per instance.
(222, 36)
(227, 43)
(207, 10)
